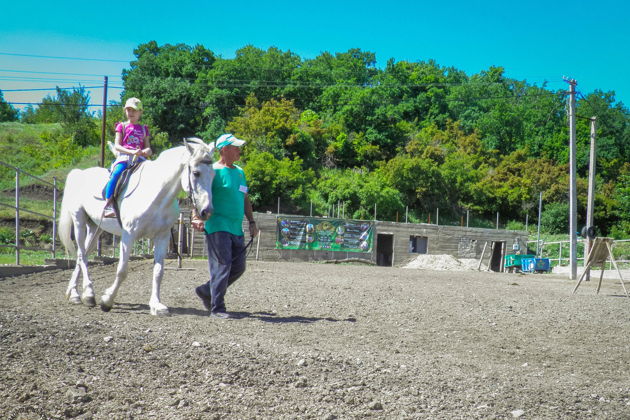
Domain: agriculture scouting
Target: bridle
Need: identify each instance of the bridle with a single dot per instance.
(190, 189)
(191, 195)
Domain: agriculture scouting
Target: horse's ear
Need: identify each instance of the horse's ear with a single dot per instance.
(189, 146)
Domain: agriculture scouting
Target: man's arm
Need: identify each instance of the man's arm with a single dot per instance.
(249, 214)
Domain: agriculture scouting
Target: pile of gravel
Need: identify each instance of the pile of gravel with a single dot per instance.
(443, 262)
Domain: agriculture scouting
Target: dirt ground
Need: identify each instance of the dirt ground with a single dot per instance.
(318, 341)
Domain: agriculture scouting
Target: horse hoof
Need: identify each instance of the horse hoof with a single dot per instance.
(89, 301)
(74, 299)
(105, 308)
(160, 312)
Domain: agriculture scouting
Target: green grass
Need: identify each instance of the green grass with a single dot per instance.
(40, 150)
(7, 256)
(43, 206)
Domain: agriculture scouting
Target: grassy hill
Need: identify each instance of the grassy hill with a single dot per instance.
(41, 150)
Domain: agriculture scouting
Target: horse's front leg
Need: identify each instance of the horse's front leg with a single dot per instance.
(159, 253)
(107, 300)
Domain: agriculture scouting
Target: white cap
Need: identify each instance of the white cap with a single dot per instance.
(228, 140)
(134, 103)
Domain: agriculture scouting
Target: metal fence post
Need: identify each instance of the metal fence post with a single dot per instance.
(17, 217)
(54, 224)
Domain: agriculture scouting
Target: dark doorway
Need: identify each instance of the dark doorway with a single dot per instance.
(418, 244)
(384, 249)
(495, 259)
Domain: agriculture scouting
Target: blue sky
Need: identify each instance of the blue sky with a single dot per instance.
(536, 41)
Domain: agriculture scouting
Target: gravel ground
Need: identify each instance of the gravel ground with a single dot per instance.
(318, 341)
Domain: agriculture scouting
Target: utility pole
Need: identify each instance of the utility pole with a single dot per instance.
(572, 182)
(104, 122)
(103, 126)
(591, 193)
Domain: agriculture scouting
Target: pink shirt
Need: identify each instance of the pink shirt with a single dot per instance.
(134, 135)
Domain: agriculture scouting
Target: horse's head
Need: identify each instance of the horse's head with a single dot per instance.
(198, 176)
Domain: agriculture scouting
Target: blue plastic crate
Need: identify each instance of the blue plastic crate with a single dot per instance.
(535, 265)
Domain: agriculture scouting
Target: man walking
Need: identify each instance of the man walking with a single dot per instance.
(224, 233)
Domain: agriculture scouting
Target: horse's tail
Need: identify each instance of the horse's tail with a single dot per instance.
(65, 219)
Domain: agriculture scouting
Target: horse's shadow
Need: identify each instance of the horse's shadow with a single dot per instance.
(123, 307)
(261, 316)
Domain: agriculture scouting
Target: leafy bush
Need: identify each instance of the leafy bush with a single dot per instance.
(7, 236)
(555, 218)
(28, 238)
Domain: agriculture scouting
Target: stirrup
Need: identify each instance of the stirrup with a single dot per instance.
(109, 213)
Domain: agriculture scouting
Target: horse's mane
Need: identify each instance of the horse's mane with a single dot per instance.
(177, 149)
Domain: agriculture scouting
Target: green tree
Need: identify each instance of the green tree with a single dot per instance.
(612, 133)
(555, 218)
(357, 191)
(168, 81)
(270, 178)
(7, 112)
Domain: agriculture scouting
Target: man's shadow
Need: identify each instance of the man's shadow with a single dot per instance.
(270, 317)
(273, 318)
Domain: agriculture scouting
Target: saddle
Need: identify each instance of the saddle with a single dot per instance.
(123, 180)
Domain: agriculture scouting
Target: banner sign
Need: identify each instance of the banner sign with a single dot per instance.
(296, 232)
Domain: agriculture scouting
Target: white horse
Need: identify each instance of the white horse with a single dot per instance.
(148, 209)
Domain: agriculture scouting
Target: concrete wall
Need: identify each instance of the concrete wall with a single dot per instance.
(452, 240)
(459, 242)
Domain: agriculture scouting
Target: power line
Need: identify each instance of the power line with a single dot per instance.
(54, 104)
(65, 58)
(58, 73)
(60, 88)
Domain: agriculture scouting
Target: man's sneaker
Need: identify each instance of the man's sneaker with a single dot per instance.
(205, 299)
(221, 315)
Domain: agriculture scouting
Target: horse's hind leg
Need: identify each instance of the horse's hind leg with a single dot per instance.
(87, 296)
(82, 234)
(72, 293)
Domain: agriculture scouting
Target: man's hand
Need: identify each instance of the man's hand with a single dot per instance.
(197, 224)
(253, 229)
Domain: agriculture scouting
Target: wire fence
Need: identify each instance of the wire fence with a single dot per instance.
(23, 238)
(40, 199)
(558, 252)
(442, 217)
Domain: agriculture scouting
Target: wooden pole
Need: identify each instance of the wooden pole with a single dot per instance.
(104, 122)
(103, 127)
(258, 244)
(612, 260)
(180, 239)
(482, 254)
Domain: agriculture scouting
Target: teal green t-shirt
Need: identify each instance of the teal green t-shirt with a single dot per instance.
(228, 199)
